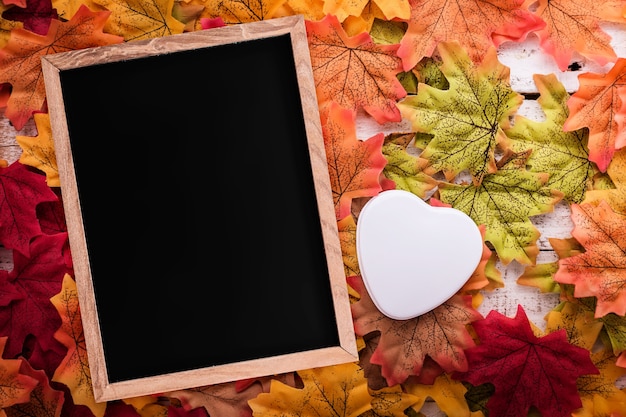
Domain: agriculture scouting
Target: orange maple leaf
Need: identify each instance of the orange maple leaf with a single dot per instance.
(600, 271)
(404, 344)
(475, 25)
(573, 26)
(238, 11)
(354, 165)
(600, 105)
(16, 387)
(354, 71)
(140, 19)
(73, 371)
(20, 59)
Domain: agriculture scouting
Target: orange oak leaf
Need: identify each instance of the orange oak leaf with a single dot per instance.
(600, 105)
(573, 26)
(15, 387)
(475, 25)
(354, 71)
(141, 19)
(354, 165)
(526, 370)
(339, 390)
(601, 270)
(20, 59)
(38, 151)
(73, 371)
(440, 334)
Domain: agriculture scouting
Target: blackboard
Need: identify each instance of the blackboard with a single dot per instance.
(199, 208)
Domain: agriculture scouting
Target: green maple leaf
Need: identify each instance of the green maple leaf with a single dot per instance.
(563, 155)
(467, 119)
(504, 202)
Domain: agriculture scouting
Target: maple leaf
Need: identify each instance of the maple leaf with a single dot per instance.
(15, 387)
(475, 25)
(74, 369)
(353, 71)
(5, 31)
(339, 390)
(601, 270)
(573, 26)
(448, 393)
(391, 401)
(241, 11)
(441, 334)
(35, 17)
(21, 191)
(39, 277)
(581, 327)
(467, 119)
(347, 240)
(140, 19)
(38, 152)
(602, 385)
(599, 104)
(504, 203)
(403, 168)
(354, 165)
(563, 155)
(616, 196)
(525, 370)
(20, 59)
(398, 9)
(44, 400)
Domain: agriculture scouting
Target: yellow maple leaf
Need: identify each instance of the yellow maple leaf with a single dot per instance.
(582, 329)
(74, 371)
(347, 239)
(38, 151)
(238, 11)
(446, 392)
(333, 390)
(140, 19)
(615, 197)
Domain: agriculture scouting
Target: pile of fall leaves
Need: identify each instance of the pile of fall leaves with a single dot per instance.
(430, 62)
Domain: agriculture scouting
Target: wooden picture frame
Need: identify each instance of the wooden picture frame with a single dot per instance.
(199, 208)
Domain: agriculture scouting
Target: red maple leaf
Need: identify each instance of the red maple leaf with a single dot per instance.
(354, 71)
(36, 16)
(355, 166)
(20, 59)
(39, 277)
(526, 370)
(21, 191)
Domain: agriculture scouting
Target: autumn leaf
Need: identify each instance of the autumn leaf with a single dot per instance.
(504, 203)
(475, 25)
(354, 165)
(574, 26)
(467, 119)
(20, 59)
(563, 155)
(581, 327)
(15, 387)
(347, 240)
(38, 152)
(398, 9)
(74, 370)
(353, 71)
(140, 19)
(403, 168)
(602, 385)
(391, 401)
(601, 270)
(6, 26)
(449, 395)
(615, 197)
(526, 370)
(339, 390)
(540, 276)
(21, 191)
(441, 334)
(35, 17)
(241, 11)
(599, 104)
(44, 400)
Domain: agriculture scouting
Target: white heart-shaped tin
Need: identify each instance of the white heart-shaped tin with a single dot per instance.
(413, 256)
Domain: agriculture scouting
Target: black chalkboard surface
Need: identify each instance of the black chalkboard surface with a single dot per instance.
(199, 209)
